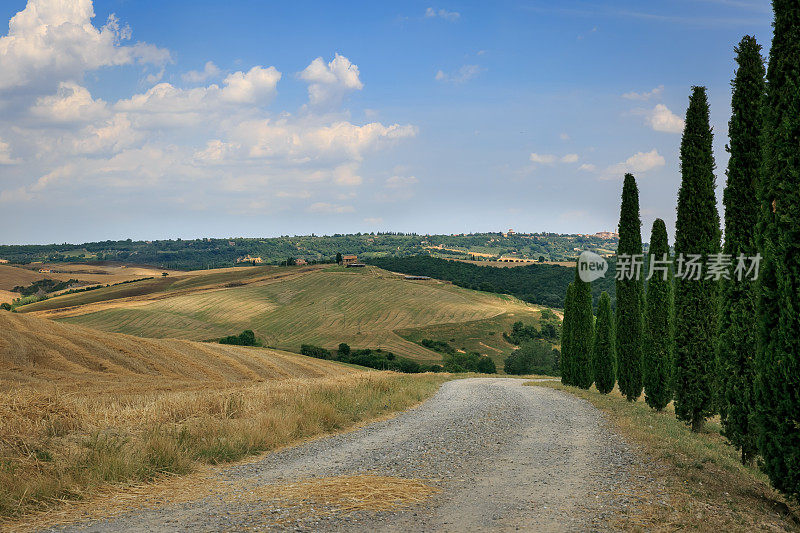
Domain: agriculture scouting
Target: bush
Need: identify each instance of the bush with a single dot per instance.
(437, 346)
(245, 338)
(315, 351)
(533, 357)
(344, 349)
(469, 362)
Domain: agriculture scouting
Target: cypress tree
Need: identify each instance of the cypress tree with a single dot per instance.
(697, 233)
(603, 359)
(566, 337)
(736, 346)
(657, 348)
(778, 355)
(629, 295)
(582, 334)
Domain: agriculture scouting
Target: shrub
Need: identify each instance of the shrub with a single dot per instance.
(533, 357)
(245, 338)
(315, 351)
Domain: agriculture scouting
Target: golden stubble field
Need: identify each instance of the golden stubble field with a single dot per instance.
(363, 308)
(84, 412)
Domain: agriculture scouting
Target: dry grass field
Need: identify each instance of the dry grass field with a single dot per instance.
(83, 412)
(707, 488)
(322, 306)
(36, 353)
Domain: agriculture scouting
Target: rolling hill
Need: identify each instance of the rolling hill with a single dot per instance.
(37, 352)
(314, 305)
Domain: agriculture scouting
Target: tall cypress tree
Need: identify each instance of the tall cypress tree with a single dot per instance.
(629, 295)
(778, 356)
(697, 233)
(603, 359)
(566, 337)
(736, 347)
(582, 334)
(657, 348)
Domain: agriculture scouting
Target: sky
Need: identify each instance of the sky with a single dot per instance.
(149, 119)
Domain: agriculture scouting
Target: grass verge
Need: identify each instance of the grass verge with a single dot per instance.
(709, 488)
(67, 447)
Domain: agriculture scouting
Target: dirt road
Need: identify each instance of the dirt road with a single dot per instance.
(502, 457)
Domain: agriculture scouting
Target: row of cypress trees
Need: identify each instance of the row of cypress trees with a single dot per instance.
(728, 346)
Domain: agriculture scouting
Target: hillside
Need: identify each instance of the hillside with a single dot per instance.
(40, 352)
(325, 307)
(213, 253)
(542, 284)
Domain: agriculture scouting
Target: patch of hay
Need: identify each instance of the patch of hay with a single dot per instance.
(348, 493)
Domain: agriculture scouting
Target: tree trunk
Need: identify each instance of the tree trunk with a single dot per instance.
(697, 425)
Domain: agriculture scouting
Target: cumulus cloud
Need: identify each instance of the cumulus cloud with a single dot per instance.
(71, 103)
(398, 182)
(190, 144)
(662, 119)
(328, 83)
(5, 154)
(543, 159)
(52, 40)
(587, 167)
(638, 163)
(655, 93)
(570, 158)
(452, 16)
(197, 76)
(462, 75)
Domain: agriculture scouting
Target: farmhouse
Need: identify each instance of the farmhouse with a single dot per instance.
(4, 261)
(44, 271)
(349, 259)
(301, 262)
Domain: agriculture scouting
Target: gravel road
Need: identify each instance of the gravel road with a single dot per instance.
(505, 456)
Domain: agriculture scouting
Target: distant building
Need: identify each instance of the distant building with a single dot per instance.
(44, 271)
(3, 261)
(301, 262)
(349, 259)
(607, 235)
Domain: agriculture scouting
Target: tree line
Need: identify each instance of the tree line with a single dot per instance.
(715, 343)
(540, 284)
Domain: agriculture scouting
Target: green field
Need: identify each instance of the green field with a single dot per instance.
(483, 336)
(363, 308)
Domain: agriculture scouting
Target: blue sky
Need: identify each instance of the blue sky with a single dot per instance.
(174, 119)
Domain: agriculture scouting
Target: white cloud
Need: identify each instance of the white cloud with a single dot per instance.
(442, 13)
(463, 74)
(397, 182)
(640, 162)
(180, 145)
(544, 159)
(373, 221)
(71, 103)
(55, 40)
(257, 85)
(5, 154)
(570, 158)
(644, 95)
(196, 76)
(587, 167)
(662, 119)
(330, 209)
(329, 83)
